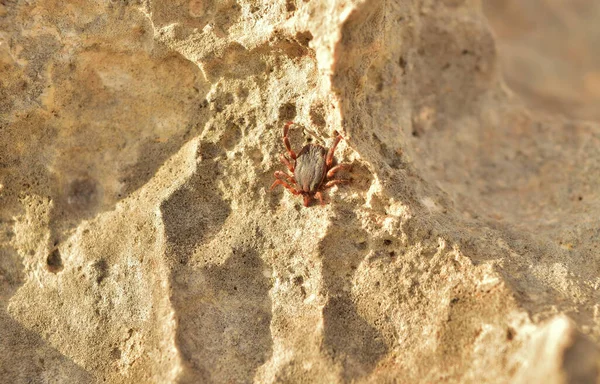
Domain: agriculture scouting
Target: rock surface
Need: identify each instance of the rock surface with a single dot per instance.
(139, 241)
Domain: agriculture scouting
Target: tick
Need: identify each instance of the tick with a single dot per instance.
(311, 169)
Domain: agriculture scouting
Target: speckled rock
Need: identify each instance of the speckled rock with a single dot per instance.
(140, 243)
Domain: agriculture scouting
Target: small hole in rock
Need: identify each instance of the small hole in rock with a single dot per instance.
(317, 115)
(402, 63)
(287, 112)
(304, 37)
(290, 6)
(510, 334)
(101, 269)
(54, 262)
(115, 354)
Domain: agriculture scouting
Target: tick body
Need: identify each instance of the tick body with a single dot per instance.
(312, 169)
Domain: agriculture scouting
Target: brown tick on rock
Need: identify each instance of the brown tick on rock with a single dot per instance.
(312, 168)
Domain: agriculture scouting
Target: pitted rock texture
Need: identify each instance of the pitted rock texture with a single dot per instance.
(139, 240)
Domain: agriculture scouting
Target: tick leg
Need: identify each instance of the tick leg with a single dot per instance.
(329, 158)
(320, 197)
(287, 163)
(331, 183)
(286, 141)
(337, 168)
(306, 200)
(279, 175)
(289, 187)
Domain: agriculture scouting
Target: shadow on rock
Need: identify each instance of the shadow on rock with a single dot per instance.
(194, 213)
(348, 338)
(224, 316)
(26, 357)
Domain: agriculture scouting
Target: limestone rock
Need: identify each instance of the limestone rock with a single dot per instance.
(139, 241)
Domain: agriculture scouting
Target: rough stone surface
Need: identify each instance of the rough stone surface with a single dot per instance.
(139, 241)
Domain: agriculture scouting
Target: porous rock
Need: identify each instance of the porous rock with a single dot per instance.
(139, 241)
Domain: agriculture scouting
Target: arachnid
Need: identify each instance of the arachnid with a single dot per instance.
(312, 168)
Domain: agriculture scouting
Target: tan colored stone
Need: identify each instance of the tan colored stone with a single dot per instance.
(139, 241)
